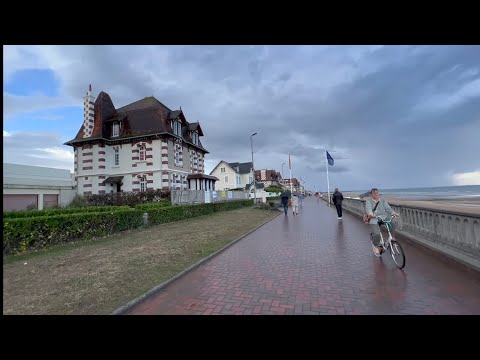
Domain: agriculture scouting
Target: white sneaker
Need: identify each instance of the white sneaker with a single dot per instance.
(339, 218)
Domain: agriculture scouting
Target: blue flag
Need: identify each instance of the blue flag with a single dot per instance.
(330, 159)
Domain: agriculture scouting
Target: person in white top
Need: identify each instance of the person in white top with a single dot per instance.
(295, 203)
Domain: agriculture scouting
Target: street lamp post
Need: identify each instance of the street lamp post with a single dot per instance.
(282, 170)
(253, 170)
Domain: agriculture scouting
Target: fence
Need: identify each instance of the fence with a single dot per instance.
(205, 196)
(208, 196)
(440, 229)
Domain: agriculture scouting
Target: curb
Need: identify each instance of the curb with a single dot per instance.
(124, 308)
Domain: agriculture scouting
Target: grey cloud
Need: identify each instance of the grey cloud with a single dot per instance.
(363, 103)
(18, 104)
(23, 148)
(333, 169)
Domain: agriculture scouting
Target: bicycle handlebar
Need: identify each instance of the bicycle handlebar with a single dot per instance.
(382, 217)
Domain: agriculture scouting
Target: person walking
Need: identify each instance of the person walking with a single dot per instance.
(284, 201)
(295, 201)
(337, 199)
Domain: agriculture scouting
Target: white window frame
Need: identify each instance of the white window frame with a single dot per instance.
(116, 156)
(143, 183)
(115, 129)
(239, 180)
(142, 153)
(222, 170)
(174, 181)
(176, 155)
(177, 127)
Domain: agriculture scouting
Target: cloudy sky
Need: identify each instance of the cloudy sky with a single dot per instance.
(390, 116)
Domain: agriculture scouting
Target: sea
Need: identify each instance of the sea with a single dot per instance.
(465, 192)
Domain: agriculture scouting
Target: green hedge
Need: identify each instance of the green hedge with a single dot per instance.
(23, 234)
(54, 212)
(182, 212)
(273, 189)
(273, 198)
(129, 198)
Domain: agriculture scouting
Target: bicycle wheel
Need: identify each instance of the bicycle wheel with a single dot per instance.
(397, 254)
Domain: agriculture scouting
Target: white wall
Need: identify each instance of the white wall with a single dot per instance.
(246, 178)
(232, 177)
(158, 173)
(221, 184)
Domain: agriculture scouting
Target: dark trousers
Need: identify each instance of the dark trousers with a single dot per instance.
(339, 209)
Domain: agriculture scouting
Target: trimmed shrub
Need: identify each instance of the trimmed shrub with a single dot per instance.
(182, 212)
(22, 234)
(128, 198)
(54, 212)
(273, 189)
(27, 233)
(78, 201)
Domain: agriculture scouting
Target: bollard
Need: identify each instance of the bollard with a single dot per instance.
(145, 219)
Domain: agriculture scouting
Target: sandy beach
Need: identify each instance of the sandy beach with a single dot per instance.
(462, 205)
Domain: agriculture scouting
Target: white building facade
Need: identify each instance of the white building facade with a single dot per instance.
(139, 147)
(232, 175)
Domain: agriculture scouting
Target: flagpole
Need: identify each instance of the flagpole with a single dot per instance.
(290, 166)
(291, 190)
(328, 182)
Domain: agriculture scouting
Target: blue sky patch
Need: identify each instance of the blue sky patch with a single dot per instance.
(33, 82)
(66, 121)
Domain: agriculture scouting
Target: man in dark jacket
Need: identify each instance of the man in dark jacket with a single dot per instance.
(337, 199)
(285, 196)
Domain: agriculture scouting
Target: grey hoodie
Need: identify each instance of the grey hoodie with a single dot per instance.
(382, 209)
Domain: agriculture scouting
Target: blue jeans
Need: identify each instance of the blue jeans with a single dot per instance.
(285, 207)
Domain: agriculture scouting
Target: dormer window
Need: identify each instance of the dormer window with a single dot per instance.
(195, 137)
(177, 127)
(116, 129)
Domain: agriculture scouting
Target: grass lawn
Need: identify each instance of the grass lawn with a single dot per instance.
(100, 275)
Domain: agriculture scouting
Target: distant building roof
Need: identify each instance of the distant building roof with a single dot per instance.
(18, 175)
(242, 168)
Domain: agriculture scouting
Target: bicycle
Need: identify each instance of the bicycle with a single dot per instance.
(391, 244)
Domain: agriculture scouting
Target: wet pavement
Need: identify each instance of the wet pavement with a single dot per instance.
(315, 264)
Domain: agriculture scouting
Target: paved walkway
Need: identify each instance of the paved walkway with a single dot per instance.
(315, 264)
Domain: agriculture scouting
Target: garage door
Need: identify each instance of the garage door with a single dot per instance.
(19, 202)
(50, 201)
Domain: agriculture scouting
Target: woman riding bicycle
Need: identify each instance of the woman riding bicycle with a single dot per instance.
(376, 206)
